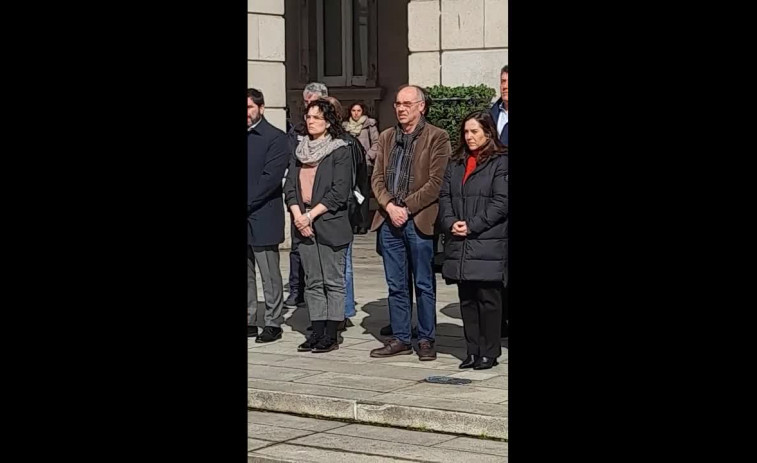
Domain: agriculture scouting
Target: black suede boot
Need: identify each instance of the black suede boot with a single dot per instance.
(318, 331)
(328, 341)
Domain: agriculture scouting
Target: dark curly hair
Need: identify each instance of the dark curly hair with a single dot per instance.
(335, 128)
(337, 106)
(492, 148)
(357, 103)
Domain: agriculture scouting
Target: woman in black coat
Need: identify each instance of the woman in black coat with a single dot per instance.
(473, 215)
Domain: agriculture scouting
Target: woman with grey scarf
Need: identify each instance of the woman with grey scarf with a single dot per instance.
(317, 190)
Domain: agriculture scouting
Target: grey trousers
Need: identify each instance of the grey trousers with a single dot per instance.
(324, 280)
(267, 259)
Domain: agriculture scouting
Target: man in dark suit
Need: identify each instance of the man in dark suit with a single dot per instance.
(267, 159)
(499, 114)
(499, 109)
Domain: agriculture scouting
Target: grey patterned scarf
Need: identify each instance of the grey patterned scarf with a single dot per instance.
(399, 174)
(313, 151)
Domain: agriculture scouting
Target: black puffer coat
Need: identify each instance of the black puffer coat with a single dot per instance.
(482, 204)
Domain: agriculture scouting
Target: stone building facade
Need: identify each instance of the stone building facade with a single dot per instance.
(364, 49)
(266, 56)
(457, 42)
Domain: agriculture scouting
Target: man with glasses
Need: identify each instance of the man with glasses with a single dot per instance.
(407, 177)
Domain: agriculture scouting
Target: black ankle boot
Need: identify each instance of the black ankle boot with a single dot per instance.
(328, 341)
(315, 335)
(331, 328)
(319, 327)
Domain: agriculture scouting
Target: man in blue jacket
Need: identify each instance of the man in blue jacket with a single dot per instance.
(267, 159)
(499, 109)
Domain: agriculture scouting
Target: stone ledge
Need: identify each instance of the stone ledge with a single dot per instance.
(433, 420)
(375, 412)
(256, 458)
(326, 407)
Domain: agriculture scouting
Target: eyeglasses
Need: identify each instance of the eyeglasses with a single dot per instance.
(307, 117)
(405, 104)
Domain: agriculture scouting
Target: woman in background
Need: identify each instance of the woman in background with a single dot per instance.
(365, 129)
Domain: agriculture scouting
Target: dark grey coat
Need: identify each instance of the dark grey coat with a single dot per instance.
(482, 204)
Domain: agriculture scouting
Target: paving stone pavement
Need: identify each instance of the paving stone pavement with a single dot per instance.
(348, 383)
(277, 437)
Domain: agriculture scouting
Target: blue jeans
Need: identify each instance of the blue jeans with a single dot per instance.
(402, 248)
(349, 297)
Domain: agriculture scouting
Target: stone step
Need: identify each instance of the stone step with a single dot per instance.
(383, 411)
(281, 437)
(265, 459)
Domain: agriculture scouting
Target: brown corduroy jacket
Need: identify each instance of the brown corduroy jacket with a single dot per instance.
(430, 156)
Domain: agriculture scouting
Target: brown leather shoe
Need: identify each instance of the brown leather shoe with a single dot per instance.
(426, 350)
(391, 348)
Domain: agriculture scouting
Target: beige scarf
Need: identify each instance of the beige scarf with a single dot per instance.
(355, 127)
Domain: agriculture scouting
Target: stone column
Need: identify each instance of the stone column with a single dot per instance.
(265, 55)
(265, 64)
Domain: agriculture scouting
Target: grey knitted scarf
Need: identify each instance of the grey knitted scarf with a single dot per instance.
(313, 151)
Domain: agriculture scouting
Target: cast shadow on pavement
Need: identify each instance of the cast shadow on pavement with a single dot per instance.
(299, 320)
(449, 336)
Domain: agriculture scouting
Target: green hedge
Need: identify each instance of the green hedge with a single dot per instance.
(451, 104)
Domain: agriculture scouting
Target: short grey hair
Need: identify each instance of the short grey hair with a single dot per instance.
(315, 88)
